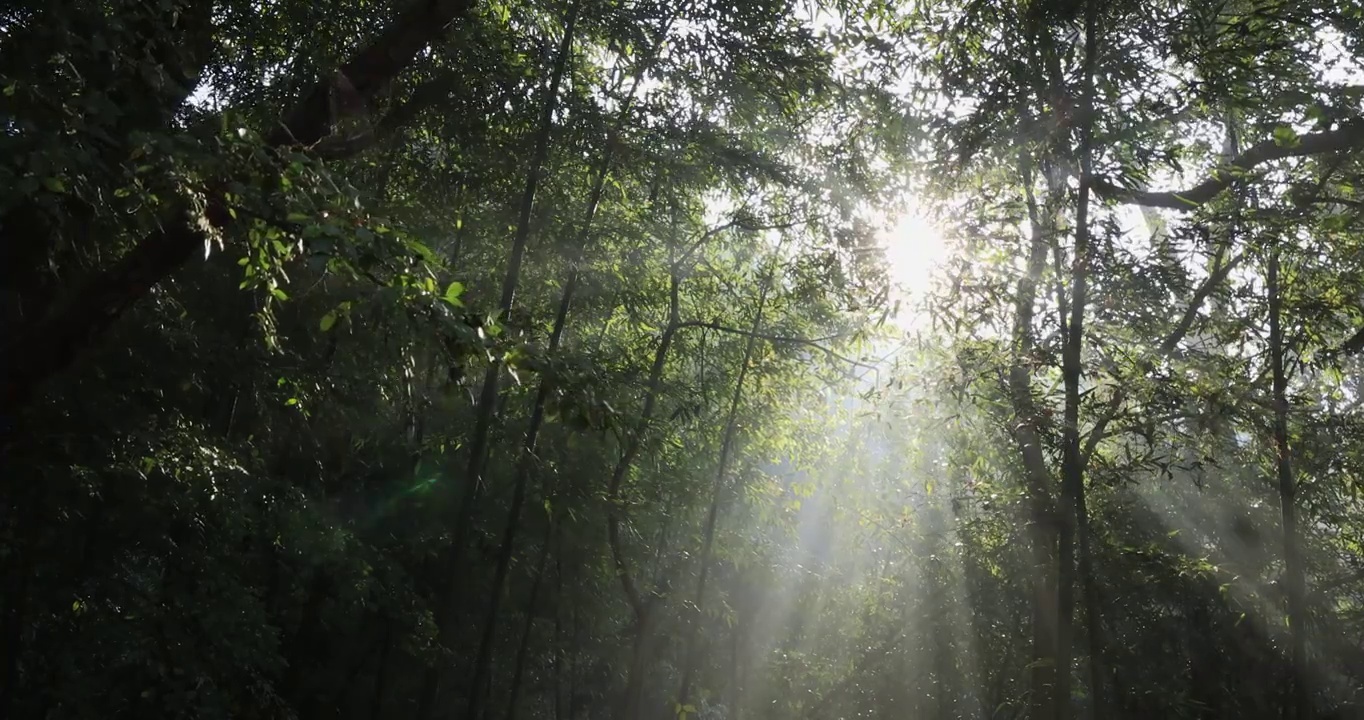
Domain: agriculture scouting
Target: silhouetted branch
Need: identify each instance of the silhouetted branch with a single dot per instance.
(1349, 136)
(807, 342)
(1167, 347)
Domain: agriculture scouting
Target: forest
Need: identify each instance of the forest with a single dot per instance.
(682, 359)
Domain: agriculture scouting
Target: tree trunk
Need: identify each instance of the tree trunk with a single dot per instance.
(528, 446)
(628, 706)
(1075, 517)
(522, 651)
(376, 703)
(492, 378)
(643, 607)
(717, 492)
(1042, 531)
(1293, 571)
(735, 699)
(631, 703)
(558, 677)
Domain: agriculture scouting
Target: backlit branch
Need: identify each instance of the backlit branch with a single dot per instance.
(1349, 136)
(807, 342)
(1167, 348)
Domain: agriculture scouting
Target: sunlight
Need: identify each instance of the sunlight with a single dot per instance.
(914, 251)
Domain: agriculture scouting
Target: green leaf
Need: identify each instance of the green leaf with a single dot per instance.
(328, 321)
(1285, 136)
(453, 293)
(423, 251)
(54, 184)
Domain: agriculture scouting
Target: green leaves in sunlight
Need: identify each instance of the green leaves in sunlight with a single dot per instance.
(453, 291)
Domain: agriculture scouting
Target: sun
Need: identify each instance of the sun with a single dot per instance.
(915, 250)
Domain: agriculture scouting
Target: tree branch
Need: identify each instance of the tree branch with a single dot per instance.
(51, 343)
(1349, 136)
(807, 342)
(1167, 348)
(1352, 346)
(737, 223)
(424, 96)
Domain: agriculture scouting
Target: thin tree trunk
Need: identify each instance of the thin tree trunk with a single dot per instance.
(1025, 425)
(737, 671)
(11, 626)
(528, 446)
(642, 607)
(558, 637)
(492, 378)
(306, 646)
(717, 492)
(1075, 520)
(523, 649)
(523, 471)
(1089, 585)
(631, 703)
(573, 671)
(628, 706)
(1301, 700)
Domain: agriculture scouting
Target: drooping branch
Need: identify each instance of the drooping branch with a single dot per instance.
(1349, 136)
(737, 224)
